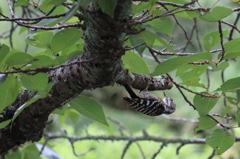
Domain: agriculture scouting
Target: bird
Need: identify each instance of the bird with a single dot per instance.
(149, 104)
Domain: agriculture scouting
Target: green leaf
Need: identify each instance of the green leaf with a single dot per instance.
(232, 48)
(193, 71)
(220, 140)
(230, 85)
(134, 63)
(42, 60)
(164, 43)
(237, 115)
(61, 110)
(50, 22)
(65, 38)
(140, 7)
(9, 91)
(221, 66)
(4, 49)
(174, 63)
(225, 110)
(204, 104)
(232, 100)
(148, 37)
(170, 65)
(184, 68)
(162, 25)
(135, 40)
(238, 95)
(19, 58)
(72, 12)
(205, 122)
(212, 39)
(53, 2)
(194, 82)
(21, 3)
(28, 103)
(36, 82)
(216, 14)
(107, 6)
(4, 123)
(89, 108)
(84, 3)
(30, 152)
(193, 14)
(41, 39)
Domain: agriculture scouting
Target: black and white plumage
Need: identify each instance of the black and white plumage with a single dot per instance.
(149, 104)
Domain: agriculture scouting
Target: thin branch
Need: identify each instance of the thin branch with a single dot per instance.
(175, 4)
(235, 23)
(212, 155)
(43, 69)
(160, 52)
(201, 94)
(33, 19)
(179, 147)
(208, 79)
(224, 94)
(52, 28)
(197, 34)
(220, 124)
(133, 47)
(231, 25)
(221, 41)
(179, 119)
(217, 115)
(126, 148)
(184, 96)
(11, 8)
(159, 150)
(130, 138)
(185, 33)
(171, 12)
(122, 127)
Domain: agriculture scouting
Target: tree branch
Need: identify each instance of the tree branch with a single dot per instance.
(104, 38)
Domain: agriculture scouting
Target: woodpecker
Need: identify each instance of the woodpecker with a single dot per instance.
(149, 104)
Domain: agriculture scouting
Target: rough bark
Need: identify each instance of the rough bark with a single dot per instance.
(104, 37)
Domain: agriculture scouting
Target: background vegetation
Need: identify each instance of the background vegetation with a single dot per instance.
(122, 120)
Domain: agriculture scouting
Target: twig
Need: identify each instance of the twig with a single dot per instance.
(135, 46)
(130, 138)
(179, 119)
(185, 33)
(33, 19)
(125, 149)
(208, 79)
(231, 25)
(121, 127)
(159, 150)
(179, 147)
(212, 155)
(175, 4)
(184, 96)
(52, 28)
(232, 30)
(221, 41)
(43, 69)
(197, 34)
(190, 37)
(201, 94)
(217, 115)
(223, 126)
